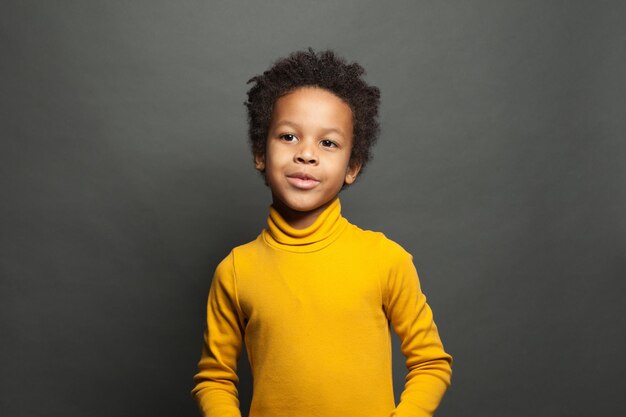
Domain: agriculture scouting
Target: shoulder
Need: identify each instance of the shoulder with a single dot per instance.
(242, 255)
(240, 260)
(225, 268)
(239, 251)
(384, 247)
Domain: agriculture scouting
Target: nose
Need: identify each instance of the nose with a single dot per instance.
(306, 154)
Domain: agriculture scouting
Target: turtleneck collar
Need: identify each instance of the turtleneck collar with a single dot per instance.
(326, 228)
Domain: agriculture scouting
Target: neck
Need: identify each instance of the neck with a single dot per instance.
(299, 219)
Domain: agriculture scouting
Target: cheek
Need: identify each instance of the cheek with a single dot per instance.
(275, 155)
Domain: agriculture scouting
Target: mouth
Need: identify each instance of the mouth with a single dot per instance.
(302, 180)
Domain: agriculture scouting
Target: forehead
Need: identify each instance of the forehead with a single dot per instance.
(313, 106)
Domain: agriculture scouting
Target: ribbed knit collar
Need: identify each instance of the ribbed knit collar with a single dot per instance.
(326, 228)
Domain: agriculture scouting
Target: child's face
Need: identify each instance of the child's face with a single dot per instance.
(307, 158)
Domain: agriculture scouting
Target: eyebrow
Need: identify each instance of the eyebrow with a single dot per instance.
(297, 126)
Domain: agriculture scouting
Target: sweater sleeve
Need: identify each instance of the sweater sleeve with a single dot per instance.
(216, 381)
(429, 366)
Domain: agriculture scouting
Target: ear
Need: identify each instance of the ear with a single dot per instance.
(259, 162)
(352, 172)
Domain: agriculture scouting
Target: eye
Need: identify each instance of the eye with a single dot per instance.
(288, 137)
(327, 143)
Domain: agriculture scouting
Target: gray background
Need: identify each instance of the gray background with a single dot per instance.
(126, 177)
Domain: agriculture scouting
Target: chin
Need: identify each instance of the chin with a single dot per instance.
(302, 205)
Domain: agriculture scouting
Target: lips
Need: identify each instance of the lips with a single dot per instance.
(302, 180)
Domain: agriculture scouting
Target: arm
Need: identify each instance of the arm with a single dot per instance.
(428, 364)
(216, 382)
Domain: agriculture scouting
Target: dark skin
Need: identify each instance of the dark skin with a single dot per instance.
(307, 157)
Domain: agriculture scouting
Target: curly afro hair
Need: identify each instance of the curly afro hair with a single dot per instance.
(324, 70)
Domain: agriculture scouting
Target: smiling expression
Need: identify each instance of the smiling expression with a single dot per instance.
(307, 157)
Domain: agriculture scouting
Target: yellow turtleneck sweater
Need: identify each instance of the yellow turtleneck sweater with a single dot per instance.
(313, 307)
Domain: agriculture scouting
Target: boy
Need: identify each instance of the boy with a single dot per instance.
(313, 295)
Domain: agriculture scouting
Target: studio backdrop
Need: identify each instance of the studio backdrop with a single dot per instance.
(126, 176)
